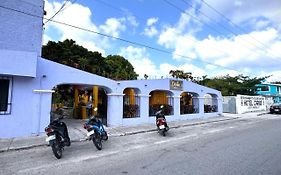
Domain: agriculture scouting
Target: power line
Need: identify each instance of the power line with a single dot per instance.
(121, 11)
(237, 26)
(121, 39)
(218, 32)
(63, 5)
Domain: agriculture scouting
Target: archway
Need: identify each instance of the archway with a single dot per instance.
(189, 103)
(158, 98)
(131, 103)
(79, 101)
(210, 103)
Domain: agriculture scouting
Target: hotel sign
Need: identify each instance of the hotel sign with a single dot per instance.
(176, 85)
(246, 103)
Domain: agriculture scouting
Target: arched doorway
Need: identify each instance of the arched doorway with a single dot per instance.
(131, 103)
(189, 103)
(210, 103)
(158, 98)
(79, 101)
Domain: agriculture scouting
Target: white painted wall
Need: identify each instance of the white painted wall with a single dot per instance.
(245, 103)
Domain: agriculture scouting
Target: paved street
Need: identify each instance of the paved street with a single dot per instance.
(242, 146)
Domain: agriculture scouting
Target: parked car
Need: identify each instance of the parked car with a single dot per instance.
(275, 108)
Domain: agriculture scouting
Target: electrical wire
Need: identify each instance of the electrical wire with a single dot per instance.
(121, 39)
(63, 5)
(237, 26)
(218, 32)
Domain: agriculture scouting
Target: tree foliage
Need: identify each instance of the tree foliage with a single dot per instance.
(71, 54)
(181, 74)
(231, 86)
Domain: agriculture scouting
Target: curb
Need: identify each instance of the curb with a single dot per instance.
(122, 134)
(185, 125)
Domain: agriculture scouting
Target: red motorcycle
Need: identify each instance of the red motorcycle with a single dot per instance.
(161, 122)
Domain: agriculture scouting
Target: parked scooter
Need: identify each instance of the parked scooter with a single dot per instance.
(161, 122)
(96, 131)
(57, 136)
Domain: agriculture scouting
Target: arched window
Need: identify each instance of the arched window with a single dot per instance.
(131, 103)
(158, 98)
(189, 103)
(210, 103)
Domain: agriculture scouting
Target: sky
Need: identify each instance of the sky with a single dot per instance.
(204, 37)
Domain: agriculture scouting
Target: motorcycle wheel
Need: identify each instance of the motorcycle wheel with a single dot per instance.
(67, 142)
(163, 132)
(57, 150)
(97, 141)
(105, 136)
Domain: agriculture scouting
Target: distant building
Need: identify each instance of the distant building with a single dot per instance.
(269, 90)
(27, 80)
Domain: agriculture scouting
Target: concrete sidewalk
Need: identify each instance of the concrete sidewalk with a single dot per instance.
(77, 133)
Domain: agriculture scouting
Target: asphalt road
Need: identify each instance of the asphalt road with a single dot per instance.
(250, 146)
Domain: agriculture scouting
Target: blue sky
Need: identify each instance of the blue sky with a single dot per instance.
(246, 39)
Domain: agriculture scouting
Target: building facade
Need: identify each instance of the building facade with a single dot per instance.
(27, 80)
(269, 90)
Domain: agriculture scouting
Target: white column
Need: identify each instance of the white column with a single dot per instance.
(144, 107)
(201, 106)
(177, 107)
(115, 109)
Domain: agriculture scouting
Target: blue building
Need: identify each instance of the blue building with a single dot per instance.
(270, 90)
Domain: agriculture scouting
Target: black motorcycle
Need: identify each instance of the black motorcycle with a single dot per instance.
(57, 136)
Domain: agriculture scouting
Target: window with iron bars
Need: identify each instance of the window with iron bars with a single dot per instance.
(5, 95)
(131, 110)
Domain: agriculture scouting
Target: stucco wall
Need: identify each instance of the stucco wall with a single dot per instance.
(20, 31)
(24, 113)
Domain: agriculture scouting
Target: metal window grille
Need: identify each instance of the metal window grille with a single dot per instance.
(6, 86)
(131, 110)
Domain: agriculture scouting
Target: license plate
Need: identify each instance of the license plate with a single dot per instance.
(276, 109)
(161, 126)
(52, 137)
(90, 133)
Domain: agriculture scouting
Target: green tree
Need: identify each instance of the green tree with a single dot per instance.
(71, 54)
(231, 86)
(181, 74)
(118, 68)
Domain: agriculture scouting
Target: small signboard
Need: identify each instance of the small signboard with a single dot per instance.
(176, 85)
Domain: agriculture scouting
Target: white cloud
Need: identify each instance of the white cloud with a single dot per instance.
(242, 11)
(240, 52)
(168, 37)
(196, 71)
(113, 26)
(79, 15)
(151, 21)
(132, 20)
(140, 60)
(46, 38)
(274, 75)
(150, 29)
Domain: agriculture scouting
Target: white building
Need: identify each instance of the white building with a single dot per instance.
(27, 80)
